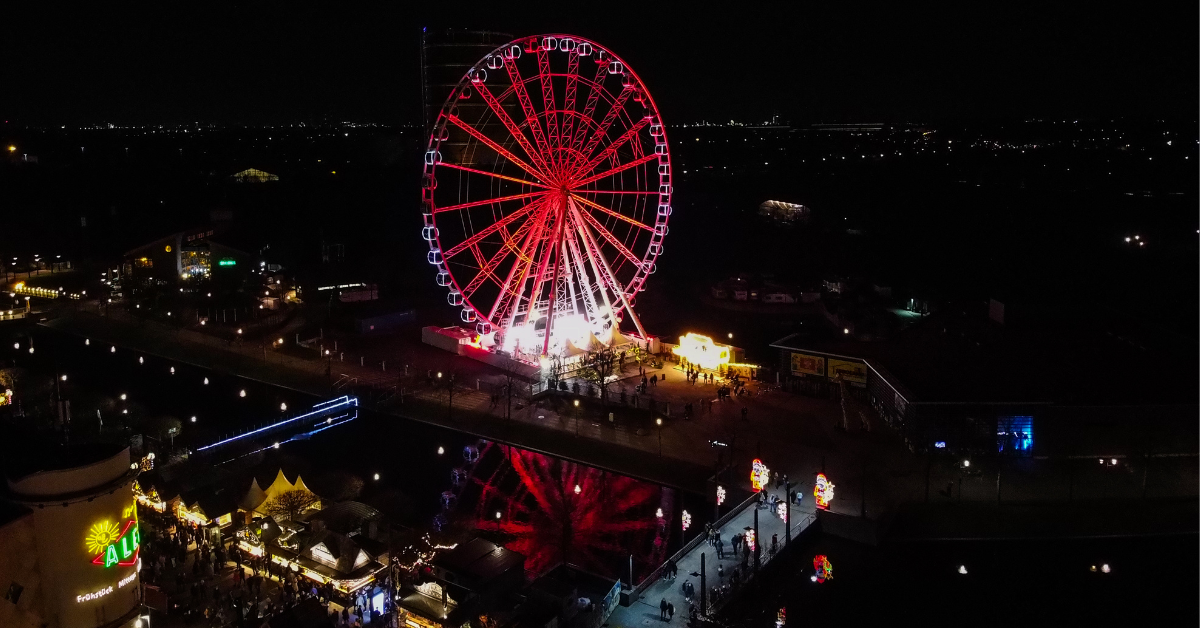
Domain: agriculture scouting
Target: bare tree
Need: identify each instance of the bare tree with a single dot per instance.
(598, 368)
(289, 504)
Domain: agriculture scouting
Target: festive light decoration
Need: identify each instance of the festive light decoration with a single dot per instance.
(750, 539)
(781, 618)
(564, 227)
(115, 544)
(781, 511)
(686, 519)
(760, 475)
(702, 351)
(822, 567)
(823, 491)
(720, 495)
(6, 397)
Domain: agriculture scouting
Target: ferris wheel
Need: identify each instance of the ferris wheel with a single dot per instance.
(546, 194)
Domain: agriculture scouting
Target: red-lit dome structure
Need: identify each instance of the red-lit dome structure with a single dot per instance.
(546, 194)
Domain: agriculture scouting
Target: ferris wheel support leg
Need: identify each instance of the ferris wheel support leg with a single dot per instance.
(616, 285)
(600, 281)
(585, 283)
(520, 287)
(556, 246)
(569, 274)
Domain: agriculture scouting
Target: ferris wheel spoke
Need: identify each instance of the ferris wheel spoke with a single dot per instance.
(569, 99)
(490, 229)
(594, 253)
(491, 174)
(500, 150)
(602, 129)
(512, 127)
(611, 149)
(517, 290)
(612, 213)
(608, 173)
(486, 201)
(635, 193)
(487, 269)
(609, 237)
(524, 257)
(589, 108)
(531, 117)
(546, 76)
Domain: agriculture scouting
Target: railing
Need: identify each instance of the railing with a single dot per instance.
(764, 558)
(694, 543)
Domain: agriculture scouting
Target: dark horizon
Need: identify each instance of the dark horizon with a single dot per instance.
(271, 62)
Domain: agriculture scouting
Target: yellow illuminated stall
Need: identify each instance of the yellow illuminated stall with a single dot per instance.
(702, 351)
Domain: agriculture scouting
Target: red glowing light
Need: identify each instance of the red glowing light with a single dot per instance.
(611, 517)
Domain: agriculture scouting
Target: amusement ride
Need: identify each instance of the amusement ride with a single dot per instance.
(545, 195)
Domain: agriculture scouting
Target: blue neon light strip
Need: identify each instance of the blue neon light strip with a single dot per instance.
(340, 401)
(272, 445)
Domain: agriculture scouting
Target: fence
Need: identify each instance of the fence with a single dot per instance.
(694, 543)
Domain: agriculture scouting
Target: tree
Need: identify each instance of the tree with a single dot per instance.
(341, 486)
(289, 504)
(9, 377)
(597, 371)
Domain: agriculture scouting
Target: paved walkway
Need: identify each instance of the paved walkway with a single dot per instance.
(645, 611)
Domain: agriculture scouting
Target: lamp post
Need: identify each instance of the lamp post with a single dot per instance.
(658, 423)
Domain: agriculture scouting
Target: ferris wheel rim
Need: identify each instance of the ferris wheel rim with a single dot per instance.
(546, 174)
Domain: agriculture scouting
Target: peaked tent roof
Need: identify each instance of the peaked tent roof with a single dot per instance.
(254, 497)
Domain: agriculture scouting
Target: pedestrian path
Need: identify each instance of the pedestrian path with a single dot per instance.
(645, 611)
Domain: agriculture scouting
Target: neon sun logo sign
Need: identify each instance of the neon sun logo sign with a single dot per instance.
(115, 544)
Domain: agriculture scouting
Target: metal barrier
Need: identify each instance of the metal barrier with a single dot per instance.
(694, 543)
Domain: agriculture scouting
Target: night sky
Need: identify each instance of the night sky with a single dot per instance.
(274, 61)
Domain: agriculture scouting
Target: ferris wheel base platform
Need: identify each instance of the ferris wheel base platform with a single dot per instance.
(460, 341)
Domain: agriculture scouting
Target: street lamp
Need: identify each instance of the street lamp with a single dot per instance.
(441, 450)
(376, 476)
(283, 408)
(658, 422)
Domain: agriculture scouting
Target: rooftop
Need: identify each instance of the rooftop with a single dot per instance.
(479, 559)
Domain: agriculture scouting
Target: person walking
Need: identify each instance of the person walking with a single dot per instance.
(670, 611)
(662, 609)
(720, 549)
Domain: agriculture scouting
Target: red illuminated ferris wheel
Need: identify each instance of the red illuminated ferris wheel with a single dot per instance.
(546, 194)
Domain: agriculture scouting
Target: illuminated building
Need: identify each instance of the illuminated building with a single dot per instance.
(254, 175)
(462, 583)
(72, 543)
(183, 257)
(702, 351)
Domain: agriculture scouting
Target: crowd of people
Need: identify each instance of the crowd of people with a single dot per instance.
(215, 585)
